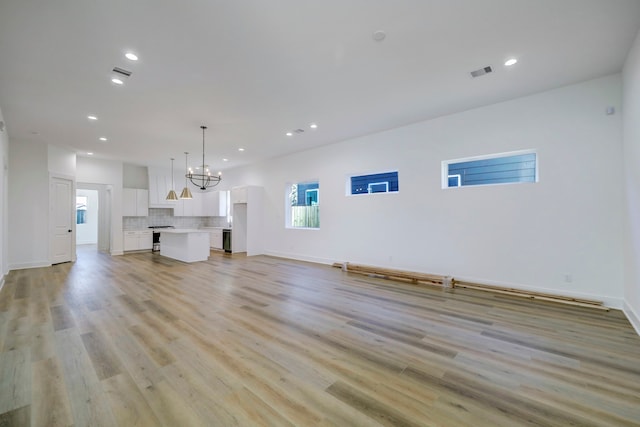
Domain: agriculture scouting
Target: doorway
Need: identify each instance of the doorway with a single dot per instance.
(87, 217)
(96, 230)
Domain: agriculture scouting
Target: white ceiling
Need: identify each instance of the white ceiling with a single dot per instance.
(252, 70)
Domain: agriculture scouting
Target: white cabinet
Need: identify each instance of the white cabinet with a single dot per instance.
(247, 211)
(214, 203)
(159, 186)
(138, 240)
(215, 238)
(135, 202)
(189, 207)
(239, 194)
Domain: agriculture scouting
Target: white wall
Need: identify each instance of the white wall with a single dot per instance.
(631, 114)
(4, 196)
(87, 233)
(61, 161)
(134, 176)
(107, 172)
(28, 205)
(527, 235)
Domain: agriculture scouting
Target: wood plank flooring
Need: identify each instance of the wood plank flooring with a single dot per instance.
(141, 340)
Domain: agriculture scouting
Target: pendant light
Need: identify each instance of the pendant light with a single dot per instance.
(203, 179)
(186, 194)
(172, 196)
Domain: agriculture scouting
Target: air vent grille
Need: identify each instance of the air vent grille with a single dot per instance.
(481, 71)
(122, 71)
(298, 131)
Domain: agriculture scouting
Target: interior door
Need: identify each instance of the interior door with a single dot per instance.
(63, 207)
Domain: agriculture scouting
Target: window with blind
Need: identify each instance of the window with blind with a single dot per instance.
(505, 168)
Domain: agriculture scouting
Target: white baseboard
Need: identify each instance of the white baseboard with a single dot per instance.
(114, 253)
(610, 302)
(633, 317)
(298, 257)
(25, 265)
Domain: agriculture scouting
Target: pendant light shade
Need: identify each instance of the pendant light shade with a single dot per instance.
(186, 193)
(172, 196)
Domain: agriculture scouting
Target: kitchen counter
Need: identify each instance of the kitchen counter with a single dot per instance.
(187, 245)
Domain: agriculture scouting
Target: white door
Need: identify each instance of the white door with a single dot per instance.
(62, 210)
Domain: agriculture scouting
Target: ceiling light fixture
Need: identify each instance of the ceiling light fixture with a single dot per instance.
(102, 138)
(289, 133)
(240, 149)
(172, 196)
(510, 62)
(313, 126)
(131, 56)
(186, 194)
(89, 154)
(379, 35)
(204, 179)
(225, 160)
(92, 118)
(117, 81)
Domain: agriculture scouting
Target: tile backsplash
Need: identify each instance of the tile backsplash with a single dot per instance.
(165, 217)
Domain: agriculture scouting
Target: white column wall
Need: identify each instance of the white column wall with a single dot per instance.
(28, 205)
(532, 236)
(631, 113)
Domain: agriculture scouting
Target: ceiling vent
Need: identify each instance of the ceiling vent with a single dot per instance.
(481, 71)
(298, 131)
(122, 71)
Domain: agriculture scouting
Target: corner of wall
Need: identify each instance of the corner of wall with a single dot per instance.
(633, 317)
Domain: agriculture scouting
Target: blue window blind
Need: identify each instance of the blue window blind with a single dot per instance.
(497, 170)
(375, 183)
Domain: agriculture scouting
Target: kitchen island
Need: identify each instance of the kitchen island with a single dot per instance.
(187, 245)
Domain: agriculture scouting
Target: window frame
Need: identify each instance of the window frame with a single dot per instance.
(288, 216)
(348, 185)
(445, 168)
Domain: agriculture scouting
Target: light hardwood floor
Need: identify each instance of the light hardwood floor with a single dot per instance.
(143, 340)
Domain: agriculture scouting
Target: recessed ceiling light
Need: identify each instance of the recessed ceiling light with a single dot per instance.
(89, 153)
(131, 56)
(289, 133)
(117, 81)
(313, 126)
(92, 118)
(240, 149)
(225, 160)
(379, 35)
(511, 62)
(102, 138)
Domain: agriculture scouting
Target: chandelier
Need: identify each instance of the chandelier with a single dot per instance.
(203, 178)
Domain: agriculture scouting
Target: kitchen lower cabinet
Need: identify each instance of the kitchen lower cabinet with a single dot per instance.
(138, 240)
(215, 237)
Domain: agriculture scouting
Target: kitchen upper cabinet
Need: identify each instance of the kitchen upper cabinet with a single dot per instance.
(214, 203)
(239, 194)
(135, 202)
(159, 186)
(189, 207)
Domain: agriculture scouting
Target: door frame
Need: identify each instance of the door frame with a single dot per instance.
(72, 179)
(104, 213)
